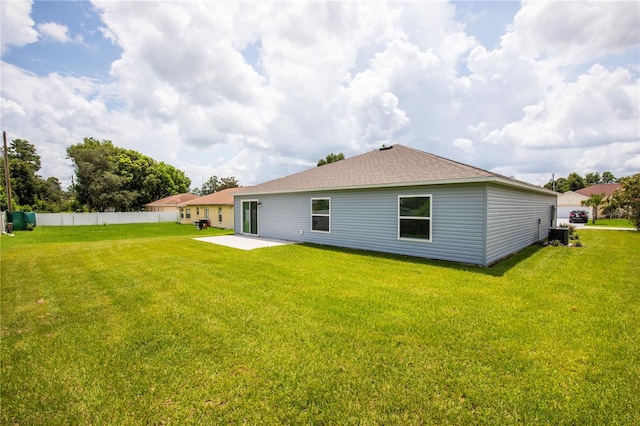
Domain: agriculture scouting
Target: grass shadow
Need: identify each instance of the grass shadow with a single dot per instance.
(496, 270)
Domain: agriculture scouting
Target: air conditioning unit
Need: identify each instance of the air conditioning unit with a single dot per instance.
(560, 234)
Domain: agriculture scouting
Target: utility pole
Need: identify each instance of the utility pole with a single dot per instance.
(7, 174)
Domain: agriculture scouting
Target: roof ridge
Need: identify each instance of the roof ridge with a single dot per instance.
(391, 165)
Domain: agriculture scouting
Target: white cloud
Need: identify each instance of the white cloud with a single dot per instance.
(10, 107)
(58, 32)
(259, 91)
(463, 144)
(570, 32)
(530, 113)
(17, 25)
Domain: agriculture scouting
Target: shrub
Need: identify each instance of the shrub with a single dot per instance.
(578, 244)
(555, 243)
(572, 228)
(627, 197)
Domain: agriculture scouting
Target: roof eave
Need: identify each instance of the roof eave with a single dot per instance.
(484, 179)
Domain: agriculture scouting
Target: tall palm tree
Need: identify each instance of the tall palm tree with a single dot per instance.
(594, 201)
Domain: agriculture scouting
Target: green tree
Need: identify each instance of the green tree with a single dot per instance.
(592, 178)
(149, 179)
(109, 177)
(163, 180)
(627, 197)
(28, 189)
(52, 197)
(331, 158)
(24, 163)
(228, 182)
(215, 184)
(561, 185)
(210, 186)
(93, 170)
(575, 182)
(608, 177)
(594, 202)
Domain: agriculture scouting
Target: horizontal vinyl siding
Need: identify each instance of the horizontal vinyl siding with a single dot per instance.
(368, 219)
(512, 220)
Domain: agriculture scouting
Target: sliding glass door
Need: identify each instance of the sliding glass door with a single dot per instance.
(250, 217)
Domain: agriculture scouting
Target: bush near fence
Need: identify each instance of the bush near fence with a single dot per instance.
(110, 218)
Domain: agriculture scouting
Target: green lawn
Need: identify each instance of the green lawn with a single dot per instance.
(612, 223)
(140, 324)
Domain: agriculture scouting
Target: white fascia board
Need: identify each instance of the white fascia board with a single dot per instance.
(493, 179)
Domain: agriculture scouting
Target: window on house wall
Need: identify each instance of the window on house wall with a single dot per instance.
(198, 211)
(188, 213)
(219, 214)
(206, 213)
(182, 213)
(414, 217)
(321, 214)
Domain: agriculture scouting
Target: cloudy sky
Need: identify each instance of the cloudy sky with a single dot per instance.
(262, 90)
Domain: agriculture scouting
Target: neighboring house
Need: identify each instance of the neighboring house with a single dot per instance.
(404, 201)
(170, 203)
(572, 200)
(568, 202)
(602, 188)
(217, 207)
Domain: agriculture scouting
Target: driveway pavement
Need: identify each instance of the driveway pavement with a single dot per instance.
(243, 242)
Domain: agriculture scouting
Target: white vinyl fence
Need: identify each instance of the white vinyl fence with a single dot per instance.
(80, 219)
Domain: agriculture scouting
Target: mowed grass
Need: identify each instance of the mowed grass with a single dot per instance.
(612, 223)
(147, 326)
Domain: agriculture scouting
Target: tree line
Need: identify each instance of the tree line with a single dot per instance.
(574, 181)
(29, 190)
(106, 178)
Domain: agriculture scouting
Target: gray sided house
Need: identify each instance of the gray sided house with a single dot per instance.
(403, 201)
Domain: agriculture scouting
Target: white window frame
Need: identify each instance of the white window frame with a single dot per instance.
(430, 218)
(321, 215)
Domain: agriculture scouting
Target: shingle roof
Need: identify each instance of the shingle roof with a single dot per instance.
(224, 197)
(601, 188)
(397, 165)
(172, 200)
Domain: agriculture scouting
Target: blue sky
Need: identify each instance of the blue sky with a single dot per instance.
(262, 90)
(91, 57)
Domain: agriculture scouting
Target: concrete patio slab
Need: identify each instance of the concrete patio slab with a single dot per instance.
(243, 242)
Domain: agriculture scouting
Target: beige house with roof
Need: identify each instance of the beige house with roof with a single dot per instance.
(403, 201)
(170, 203)
(217, 207)
(572, 200)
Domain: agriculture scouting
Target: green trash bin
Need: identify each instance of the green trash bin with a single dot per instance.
(19, 222)
(30, 220)
(22, 221)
